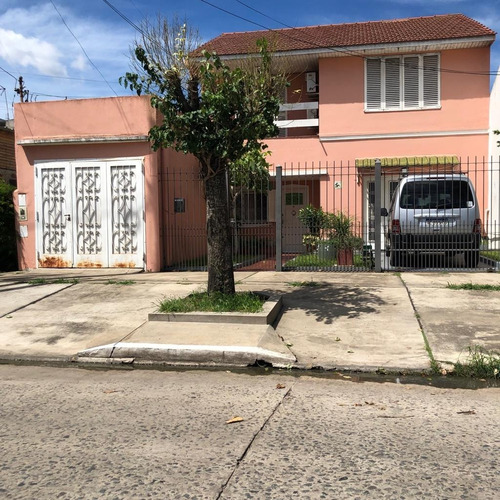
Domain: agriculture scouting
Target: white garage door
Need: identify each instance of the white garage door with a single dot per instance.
(90, 213)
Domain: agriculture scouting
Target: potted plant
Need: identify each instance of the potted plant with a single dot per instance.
(341, 234)
(313, 218)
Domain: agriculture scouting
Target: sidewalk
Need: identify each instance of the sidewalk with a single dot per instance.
(346, 321)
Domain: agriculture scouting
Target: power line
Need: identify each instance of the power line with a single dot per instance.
(4, 92)
(83, 50)
(124, 17)
(10, 74)
(65, 78)
(333, 49)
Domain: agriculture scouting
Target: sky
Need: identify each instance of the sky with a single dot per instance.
(67, 49)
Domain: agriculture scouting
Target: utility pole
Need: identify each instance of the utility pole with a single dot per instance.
(23, 94)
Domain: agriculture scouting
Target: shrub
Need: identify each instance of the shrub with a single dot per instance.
(8, 250)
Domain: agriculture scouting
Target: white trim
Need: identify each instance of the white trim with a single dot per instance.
(408, 135)
(300, 171)
(72, 160)
(310, 122)
(297, 106)
(53, 141)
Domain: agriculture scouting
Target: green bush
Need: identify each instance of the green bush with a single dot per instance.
(8, 250)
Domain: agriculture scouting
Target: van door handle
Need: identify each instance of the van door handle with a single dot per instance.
(67, 217)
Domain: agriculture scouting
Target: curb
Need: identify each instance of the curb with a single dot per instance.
(206, 355)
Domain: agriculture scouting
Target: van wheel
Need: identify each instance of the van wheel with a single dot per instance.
(471, 258)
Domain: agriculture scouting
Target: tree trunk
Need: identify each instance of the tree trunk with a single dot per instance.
(220, 259)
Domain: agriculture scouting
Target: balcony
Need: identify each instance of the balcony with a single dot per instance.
(300, 115)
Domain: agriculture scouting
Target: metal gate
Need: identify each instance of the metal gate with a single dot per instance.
(90, 213)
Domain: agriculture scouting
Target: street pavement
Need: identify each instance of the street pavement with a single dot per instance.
(343, 321)
(121, 434)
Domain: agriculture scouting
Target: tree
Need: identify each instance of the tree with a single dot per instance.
(217, 113)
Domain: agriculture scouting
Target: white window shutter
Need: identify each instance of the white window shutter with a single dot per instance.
(431, 80)
(392, 83)
(373, 84)
(411, 82)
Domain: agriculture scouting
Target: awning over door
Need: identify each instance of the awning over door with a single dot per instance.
(409, 161)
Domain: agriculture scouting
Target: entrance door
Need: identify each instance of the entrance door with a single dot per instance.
(90, 214)
(295, 197)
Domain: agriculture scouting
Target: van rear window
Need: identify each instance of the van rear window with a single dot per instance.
(435, 194)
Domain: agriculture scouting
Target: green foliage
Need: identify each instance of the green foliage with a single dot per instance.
(339, 229)
(310, 241)
(250, 172)
(304, 283)
(491, 254)
(480, 363)
(8, 247)
(473, 286)
(58, 281)
(217, 113)
(314, 261)
(214, 302)
(313, 218)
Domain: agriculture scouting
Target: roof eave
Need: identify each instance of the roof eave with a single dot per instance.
(378, 48)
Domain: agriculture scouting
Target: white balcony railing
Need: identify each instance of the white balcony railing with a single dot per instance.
(310, 107)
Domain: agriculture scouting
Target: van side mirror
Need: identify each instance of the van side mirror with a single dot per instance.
(384, 212)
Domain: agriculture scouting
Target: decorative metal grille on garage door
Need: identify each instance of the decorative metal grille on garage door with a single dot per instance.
(90, 213)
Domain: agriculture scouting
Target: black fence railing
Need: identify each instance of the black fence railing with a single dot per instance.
(430, 213)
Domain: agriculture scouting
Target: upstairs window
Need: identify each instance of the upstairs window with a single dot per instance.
(403, 82)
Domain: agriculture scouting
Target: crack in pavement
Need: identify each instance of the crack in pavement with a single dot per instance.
(37, 300)
(247, 449)
(427, 346)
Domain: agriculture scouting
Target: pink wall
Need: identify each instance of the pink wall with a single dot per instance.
(311, 150)
(464, 98)
(184, 237)
(84, 118)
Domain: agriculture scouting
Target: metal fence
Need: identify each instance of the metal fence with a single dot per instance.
(394, 214)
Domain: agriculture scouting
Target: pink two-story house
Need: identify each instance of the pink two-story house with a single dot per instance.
(411, 92)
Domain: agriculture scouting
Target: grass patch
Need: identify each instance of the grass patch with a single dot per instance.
(215, 302)
(312, 260)
(304, 283)
(491, 254)
(59, 281)
(473, 286)
(309, 260)
(480, 363)
(123, 282)
(38, 281)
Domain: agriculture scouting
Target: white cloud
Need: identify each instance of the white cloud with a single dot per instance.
(80, 63)
(105, 42)
(17, 49)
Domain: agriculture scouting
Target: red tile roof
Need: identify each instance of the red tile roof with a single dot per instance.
(417, 29)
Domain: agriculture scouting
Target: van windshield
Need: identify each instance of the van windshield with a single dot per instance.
(435, 194)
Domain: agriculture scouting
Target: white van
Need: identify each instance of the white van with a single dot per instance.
(435, 215)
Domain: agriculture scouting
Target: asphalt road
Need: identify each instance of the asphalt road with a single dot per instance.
(75, 433)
